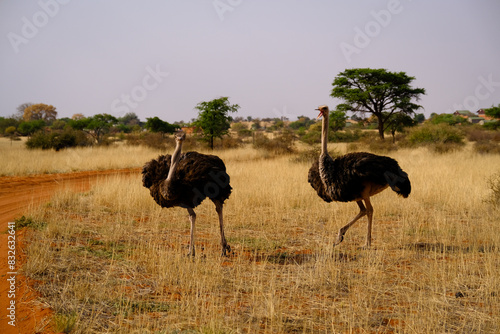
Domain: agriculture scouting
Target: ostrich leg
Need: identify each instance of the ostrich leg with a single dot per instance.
(192, 219)
(223, 242)
(369, 213)
(362, 211)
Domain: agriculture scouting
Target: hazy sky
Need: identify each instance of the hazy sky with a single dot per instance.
(273, 58)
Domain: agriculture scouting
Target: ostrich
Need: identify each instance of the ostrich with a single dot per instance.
(185, 180)
(354, 177)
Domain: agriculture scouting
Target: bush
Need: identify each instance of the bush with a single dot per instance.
(149, 139)
(477, 133)
(57, 140)
(440, 138)
(486, 146)
(382, 146)
(494, 183)
(281, 144)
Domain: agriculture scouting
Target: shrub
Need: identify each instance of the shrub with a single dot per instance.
(149, 139)
(230, 142)
(57, 140)
(440, 138)
(382, 146)
(281, 144)
(486, 146)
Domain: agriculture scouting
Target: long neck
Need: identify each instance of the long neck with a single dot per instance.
(175, 160)
(324, 134)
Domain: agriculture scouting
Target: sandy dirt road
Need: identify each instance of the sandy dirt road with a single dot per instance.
(16, 195)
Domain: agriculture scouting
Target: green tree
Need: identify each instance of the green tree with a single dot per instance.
(7, 122)
(419, 118)
(155, 124)
(397, 122)
(376, 91)
(97, 126)
(213, 118)
(29, 128)
(493, 112)
(337, 120)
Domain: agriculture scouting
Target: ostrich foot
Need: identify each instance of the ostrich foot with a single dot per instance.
(340, 238)
(226, 250)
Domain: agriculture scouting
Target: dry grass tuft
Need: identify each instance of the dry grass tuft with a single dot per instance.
(111, 260)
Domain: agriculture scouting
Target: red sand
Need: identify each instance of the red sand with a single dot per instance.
(16, 195)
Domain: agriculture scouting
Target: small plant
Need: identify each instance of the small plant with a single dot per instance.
(65, 323)
(494, 183)
(30, 223)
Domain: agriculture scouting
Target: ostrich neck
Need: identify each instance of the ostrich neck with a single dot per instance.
(325, 168)
(175, 160)
(324, 135)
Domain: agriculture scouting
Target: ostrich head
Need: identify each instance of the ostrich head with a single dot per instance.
(179, 137)
(323, 111)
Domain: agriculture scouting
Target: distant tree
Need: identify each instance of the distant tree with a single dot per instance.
(155, 124)
(493, 112)
(40, 111)
(376, 91)
(58, 124)
(100, 125)
(397, 122)
(7, 122)
(11, 133)
(29, 128)
(129, 119)
(302, 122)
(77, 116)
(256, 124)
(96, 126)
(419, 118)
(19, 114)
(213, 118)
(337, 120)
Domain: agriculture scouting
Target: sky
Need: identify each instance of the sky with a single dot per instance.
(274, 58)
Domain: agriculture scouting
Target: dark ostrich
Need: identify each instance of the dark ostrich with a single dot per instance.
(355, 177)
(185, 180)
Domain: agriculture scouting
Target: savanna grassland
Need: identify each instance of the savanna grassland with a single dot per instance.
(111, 260)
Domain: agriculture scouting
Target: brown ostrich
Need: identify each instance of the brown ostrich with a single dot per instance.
(354, 177)
(185, 180)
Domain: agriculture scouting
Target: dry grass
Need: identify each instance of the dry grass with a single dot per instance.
(18, 160)
(111, 260)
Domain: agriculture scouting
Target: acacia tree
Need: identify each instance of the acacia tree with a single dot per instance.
(96, 126)
(213, 118)
(376, 91)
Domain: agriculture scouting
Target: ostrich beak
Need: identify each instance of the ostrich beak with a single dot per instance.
(320, 114)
